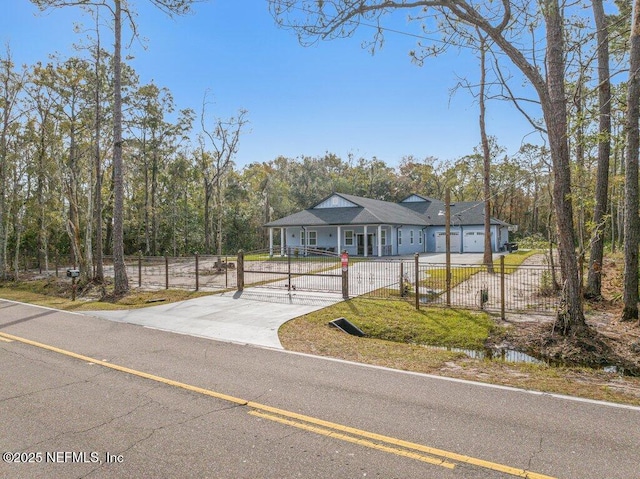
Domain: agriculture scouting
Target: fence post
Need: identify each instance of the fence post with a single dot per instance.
(226, 272)
(240, 271)
(166, 271)
(401, 279)
(417, 264)
(344, 260)
(197, 274)
(289, 271)
(502, 298)
(139, 269)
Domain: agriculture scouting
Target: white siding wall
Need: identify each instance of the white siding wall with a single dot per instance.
(335, 201)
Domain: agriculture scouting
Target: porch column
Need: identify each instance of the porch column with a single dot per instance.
(339, 240)
(379, 240)
(392, 239)
(270, 241)
(366, 241)
(283, 239)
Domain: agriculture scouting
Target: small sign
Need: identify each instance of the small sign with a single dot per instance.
(345, 261)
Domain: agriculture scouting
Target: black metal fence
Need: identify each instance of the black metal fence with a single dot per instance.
(292, 269)
(514, 289)
(198, 272)
(503, 288)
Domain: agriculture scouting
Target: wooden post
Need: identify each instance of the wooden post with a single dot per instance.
(417, 266)
(197, 274)
(139, 269)
(502, 298)
(402, 279)
(240, 271)
(447, 239)
(226, 272)
(289, 271)
(166, 271)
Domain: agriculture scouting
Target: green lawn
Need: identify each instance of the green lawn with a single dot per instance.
(398, 321)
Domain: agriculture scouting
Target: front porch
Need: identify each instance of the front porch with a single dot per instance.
(363, 240)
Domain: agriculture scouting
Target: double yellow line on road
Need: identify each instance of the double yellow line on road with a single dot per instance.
(372, 440)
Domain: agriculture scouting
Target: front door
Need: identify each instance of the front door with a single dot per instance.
(360, 241)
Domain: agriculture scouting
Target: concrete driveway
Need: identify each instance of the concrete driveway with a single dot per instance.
(251, 317)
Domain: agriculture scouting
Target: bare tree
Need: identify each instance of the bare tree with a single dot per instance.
(486, 158)
(224, 137)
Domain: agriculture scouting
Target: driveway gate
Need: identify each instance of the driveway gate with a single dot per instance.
(296, 269)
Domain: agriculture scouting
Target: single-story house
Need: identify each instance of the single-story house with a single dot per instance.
(367, 227)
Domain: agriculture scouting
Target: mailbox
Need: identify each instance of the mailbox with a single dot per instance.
(73, 273)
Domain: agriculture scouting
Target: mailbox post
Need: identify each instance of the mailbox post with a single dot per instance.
(73, 274)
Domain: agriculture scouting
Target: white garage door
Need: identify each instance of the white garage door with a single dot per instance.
(441, 246)
(473, 242)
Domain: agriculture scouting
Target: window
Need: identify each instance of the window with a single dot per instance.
(419, 237)
(383, 237)
(399, 237)
(348, 238)
(313, 238)
(411, 237)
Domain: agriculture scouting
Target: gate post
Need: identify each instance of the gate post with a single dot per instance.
(240, 271)
(401, 282)
(502, 298)
(197, 274)
(344, 258)
(140, 269)
(417, 265)
(166, 271)
(289, 269)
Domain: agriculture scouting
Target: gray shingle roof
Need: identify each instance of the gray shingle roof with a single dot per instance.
(374, 212)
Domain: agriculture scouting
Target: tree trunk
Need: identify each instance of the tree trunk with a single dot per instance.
(121, 282)
(99, 275)
(571, 317)
(207, 217)
(147, 221)
(554, 108)
(580, 168)
(487, 258)
(632, 223)
(594, 278)
(154, 193)
(218, 217)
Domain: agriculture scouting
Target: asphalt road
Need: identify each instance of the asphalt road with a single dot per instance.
(86, 397)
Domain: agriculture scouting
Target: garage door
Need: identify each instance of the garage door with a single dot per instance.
(473, 242)
(441, 242)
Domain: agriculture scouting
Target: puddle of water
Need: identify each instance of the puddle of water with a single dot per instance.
(513, 356)
(502, 354)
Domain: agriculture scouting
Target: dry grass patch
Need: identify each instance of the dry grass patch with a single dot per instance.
(56, 293)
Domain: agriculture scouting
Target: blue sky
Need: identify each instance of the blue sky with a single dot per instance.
(331, 97)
